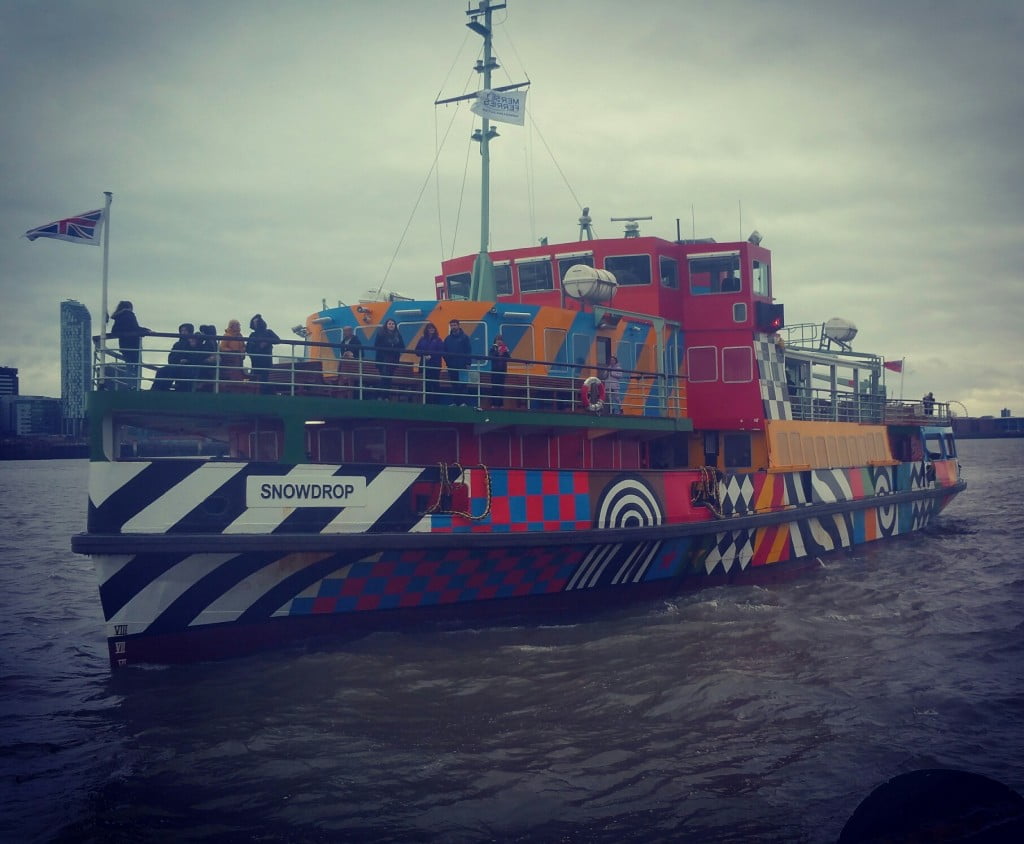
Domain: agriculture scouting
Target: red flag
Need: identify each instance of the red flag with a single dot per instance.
(894, 365)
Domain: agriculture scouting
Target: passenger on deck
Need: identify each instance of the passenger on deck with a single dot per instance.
(499, 354)
(613, 385)
(929, 404)
(389, 345)
(129, 336)
(232, 353)
(181, 359)
(351, 347)
(457, 351)
(430, 349)
(260, 347)
(206, 373)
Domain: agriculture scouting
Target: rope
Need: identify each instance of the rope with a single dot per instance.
(445, 487)
(704, 491)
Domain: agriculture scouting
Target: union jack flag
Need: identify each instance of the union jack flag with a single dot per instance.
(82, 228)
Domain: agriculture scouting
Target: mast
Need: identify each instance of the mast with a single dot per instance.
(482, 286)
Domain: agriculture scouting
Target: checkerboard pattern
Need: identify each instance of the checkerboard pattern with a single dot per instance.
(413, 579)
(772, 367)
(528, 500)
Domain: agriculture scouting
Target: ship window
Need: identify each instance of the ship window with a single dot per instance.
(424, 446)
(149, 436)
(369, 445)
(503, 279)
(630, 269)
(715, 274)
(736, 450)
(950, 446)
(669, 272)
(325, 444)
(737, 365)
(458, 286)
(535, 275)
(702, 363)
(933, 445)
(739, 312)
(762, 280)
(496, 448)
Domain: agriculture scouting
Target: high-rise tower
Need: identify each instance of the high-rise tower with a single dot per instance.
(75, 364)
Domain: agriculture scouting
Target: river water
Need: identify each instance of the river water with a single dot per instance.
(734, 714)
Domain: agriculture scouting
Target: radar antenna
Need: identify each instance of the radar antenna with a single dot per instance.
(632, 226)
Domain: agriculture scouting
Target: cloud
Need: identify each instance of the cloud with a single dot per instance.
(266, 157)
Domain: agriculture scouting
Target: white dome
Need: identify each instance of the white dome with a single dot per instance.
(589, 285)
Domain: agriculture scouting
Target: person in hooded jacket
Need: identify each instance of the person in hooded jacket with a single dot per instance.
(499, 354)
(232, 352)
(430, 349)
(206, 373)
(129, 336)
(389, 345)
(260, 348)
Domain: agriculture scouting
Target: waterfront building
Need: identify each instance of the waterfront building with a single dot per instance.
(8, 381)
(75, 364)
(29, 416)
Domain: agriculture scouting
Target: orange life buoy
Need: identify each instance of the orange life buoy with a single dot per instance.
(592, 393)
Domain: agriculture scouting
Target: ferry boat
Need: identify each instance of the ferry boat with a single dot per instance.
(654, 426)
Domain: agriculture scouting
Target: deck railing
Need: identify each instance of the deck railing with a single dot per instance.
(305, 368)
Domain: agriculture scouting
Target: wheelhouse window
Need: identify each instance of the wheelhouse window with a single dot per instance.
(629, 269)
(503, 278)
(762, 279)
(457, 285)
(535, 275)
(669, 268)
(718, 273)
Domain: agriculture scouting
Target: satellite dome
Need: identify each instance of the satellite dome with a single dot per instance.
(839, 329)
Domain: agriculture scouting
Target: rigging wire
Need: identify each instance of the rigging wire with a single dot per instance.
(432, 170)
(415, 206)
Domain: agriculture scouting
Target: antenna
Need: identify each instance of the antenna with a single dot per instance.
(585, 224)
(632, 226)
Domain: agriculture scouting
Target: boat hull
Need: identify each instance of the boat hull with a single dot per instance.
(185, 596)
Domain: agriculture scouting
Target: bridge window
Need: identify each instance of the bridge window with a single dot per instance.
(458, 285)
(503, 278)
(762, 279)
(669, 272)
(535, 275)
(630, 269)
(715, 274)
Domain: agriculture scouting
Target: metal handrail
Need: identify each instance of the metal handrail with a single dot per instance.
(300, 370)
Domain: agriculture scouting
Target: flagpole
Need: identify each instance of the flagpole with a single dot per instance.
(903, 369)
(103, 301)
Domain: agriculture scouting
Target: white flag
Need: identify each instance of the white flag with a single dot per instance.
(503, 106)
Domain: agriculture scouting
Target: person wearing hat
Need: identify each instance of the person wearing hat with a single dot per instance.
(260, 348)
(129, 336)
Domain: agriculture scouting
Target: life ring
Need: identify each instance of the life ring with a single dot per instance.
(592, 393)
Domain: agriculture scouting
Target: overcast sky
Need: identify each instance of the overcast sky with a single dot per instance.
(266, 156)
